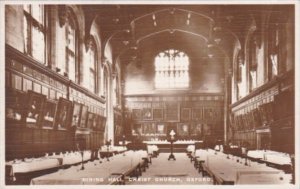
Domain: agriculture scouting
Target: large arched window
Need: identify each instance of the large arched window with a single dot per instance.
(171, 70)
(273, 49)
(34, 31)
(91, 66)
(70, 29)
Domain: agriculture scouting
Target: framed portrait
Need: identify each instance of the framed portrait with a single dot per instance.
(197, 114)
(149, 128)
(94, 123)
(90, 120)
(83, 117)
(63, 113)
(147, 114)
(161, 129)
(185, 114)
(14, 102)
(158, 114)
(49, 114)
(118, 130)
(196, 129)
(137, 129)
(183, 129)
(34, 108)
(98, 122)
(136, 114)
(102, 123)
(76, 114)
(206, 129)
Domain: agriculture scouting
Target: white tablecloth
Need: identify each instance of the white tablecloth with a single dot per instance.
(31, 165)
(94, 172)
(232, 171)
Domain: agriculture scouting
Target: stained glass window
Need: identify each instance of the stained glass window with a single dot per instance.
(171, 70)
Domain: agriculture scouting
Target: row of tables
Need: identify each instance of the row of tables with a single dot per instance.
(53, 161)
(112, 171)
(229, 169)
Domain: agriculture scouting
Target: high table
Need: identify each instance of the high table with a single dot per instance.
(164, 145)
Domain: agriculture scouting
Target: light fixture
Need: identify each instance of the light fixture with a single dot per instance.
(188, 22)
(125, 42)
(171, 31)
(153, 16)
(116, 20)
(210, 43)
(217, 30)
(134, 48)
(172, 10)
(217, 40)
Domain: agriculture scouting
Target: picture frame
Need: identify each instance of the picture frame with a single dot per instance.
(196, 129)
(160, 128)
(149, 128)
(103, 123)
(98, 120)
(118, 130)
(183, 129)
(90, 120)
(136, 114)
(49, 112)
(14, 102)
(137, 129)
(206, 130)
(185, 114)
(147, 113)
(34, 109)
(197, 114)
(76, 114)
(63, 114)
(83, 117)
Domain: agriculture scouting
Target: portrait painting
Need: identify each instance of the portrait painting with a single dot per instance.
(14, 105)
(136, 114)
(147, 113)
(84, 114)
(90, 120)
(183, 129)
(161, 129)
(103, 123)
(34, 108)
(76, 114)
(196, 129)
(49, 114)
(62, 117)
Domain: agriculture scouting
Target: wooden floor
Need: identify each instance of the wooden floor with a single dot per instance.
(179, 172)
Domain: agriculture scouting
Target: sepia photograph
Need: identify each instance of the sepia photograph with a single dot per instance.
(161, 94)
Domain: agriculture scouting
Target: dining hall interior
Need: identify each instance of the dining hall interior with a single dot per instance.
(149, 94)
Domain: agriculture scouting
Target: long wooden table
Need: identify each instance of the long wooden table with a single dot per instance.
(108, 172)
(231, 171)
(278, 160)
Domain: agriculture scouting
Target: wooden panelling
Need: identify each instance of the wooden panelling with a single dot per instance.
(16, 82)
(184, 113)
